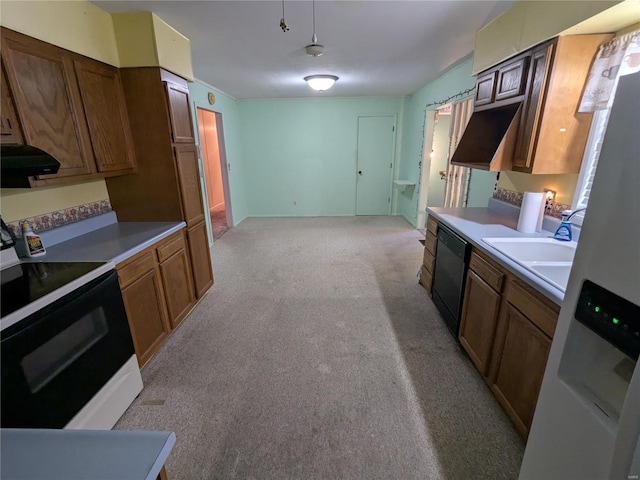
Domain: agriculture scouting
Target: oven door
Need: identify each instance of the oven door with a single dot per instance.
(57, 359)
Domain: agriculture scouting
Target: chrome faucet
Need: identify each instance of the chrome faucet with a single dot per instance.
(563, 233)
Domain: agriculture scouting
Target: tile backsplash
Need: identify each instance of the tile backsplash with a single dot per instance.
(59, 218)
(515, 198)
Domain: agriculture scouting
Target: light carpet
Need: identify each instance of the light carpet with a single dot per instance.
(317, 355)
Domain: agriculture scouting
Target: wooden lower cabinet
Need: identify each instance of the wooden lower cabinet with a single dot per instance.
(176, 277)
(506, 329)
(428, 259)
(157, 289)
(144, 302)
(479, 319)
(200, 258)
(522, 357)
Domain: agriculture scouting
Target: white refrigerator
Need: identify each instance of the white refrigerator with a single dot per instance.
(587, 419)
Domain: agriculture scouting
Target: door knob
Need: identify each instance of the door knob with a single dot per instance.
(359, 172)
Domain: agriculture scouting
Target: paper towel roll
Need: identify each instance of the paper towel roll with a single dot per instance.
(530, 212)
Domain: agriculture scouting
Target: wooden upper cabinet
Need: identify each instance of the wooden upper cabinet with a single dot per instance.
(70, 106)
(10, 130)
(553, 135)
(525, 146)
(503, 84)
(485, 89)
(511, 78)
(106, 112)
(180, 113)
(48, 102)
(186, 157)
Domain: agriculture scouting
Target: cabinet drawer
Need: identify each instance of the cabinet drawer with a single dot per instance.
(136, 268)
(170, 246)
(430, 243)
(488, 272)
(432, 225)
(540, 311)
(426, 279)
(428, 260)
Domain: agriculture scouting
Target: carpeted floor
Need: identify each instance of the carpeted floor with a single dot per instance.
(317, 355)
(218, 222)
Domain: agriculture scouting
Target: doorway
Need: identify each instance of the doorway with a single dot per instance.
(214, 160)
(434, 161)
(376, 146)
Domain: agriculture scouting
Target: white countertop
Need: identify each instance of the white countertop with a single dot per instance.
(475, 223)
(34, 454)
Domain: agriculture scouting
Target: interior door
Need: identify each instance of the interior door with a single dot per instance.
(376, 143)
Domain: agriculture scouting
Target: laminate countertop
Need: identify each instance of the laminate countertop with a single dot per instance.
(39, 454)
(475, 223)
(113, 243)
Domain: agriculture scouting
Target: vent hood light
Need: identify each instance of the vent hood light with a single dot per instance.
(321, 82)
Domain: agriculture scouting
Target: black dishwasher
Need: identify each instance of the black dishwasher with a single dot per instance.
(452, 260)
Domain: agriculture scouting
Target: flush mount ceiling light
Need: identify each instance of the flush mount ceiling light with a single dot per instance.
(321, 82)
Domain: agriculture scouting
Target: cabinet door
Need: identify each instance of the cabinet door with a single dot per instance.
(189, 177)
(518, 374)
(48, 102)
(532, 108)
(180, 113)
(479, 320)
(511, 79)
(200, 258)
(178, 286)
(106, 112)
(143, 301)
(9, 127)
(485, 89)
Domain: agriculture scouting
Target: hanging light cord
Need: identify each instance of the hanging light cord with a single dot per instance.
(314, 38)
(283, 24)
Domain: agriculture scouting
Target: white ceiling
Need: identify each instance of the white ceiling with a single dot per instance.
(377, 48)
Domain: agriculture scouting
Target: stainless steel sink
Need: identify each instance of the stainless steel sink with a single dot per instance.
(547, 258)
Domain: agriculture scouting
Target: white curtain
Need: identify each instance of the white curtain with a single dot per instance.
(617, 57)
(457, 179)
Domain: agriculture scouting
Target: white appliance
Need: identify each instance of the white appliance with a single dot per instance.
(587, 419)
(67, 356)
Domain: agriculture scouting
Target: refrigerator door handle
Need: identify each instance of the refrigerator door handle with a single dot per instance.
(626, 450)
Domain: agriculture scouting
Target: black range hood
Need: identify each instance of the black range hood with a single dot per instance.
(488, 141)
(19, 162)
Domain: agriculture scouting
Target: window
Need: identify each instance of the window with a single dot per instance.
(589, 163)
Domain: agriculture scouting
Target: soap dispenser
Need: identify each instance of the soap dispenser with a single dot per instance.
(563, 233)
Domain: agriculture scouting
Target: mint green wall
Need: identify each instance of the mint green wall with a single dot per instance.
(229, 108)
(455, 80)
(481, 187)
(304, 150)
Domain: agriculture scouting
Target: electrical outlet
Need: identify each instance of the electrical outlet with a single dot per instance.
(550, 199)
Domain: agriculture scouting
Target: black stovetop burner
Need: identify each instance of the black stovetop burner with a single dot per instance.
(27, 282)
